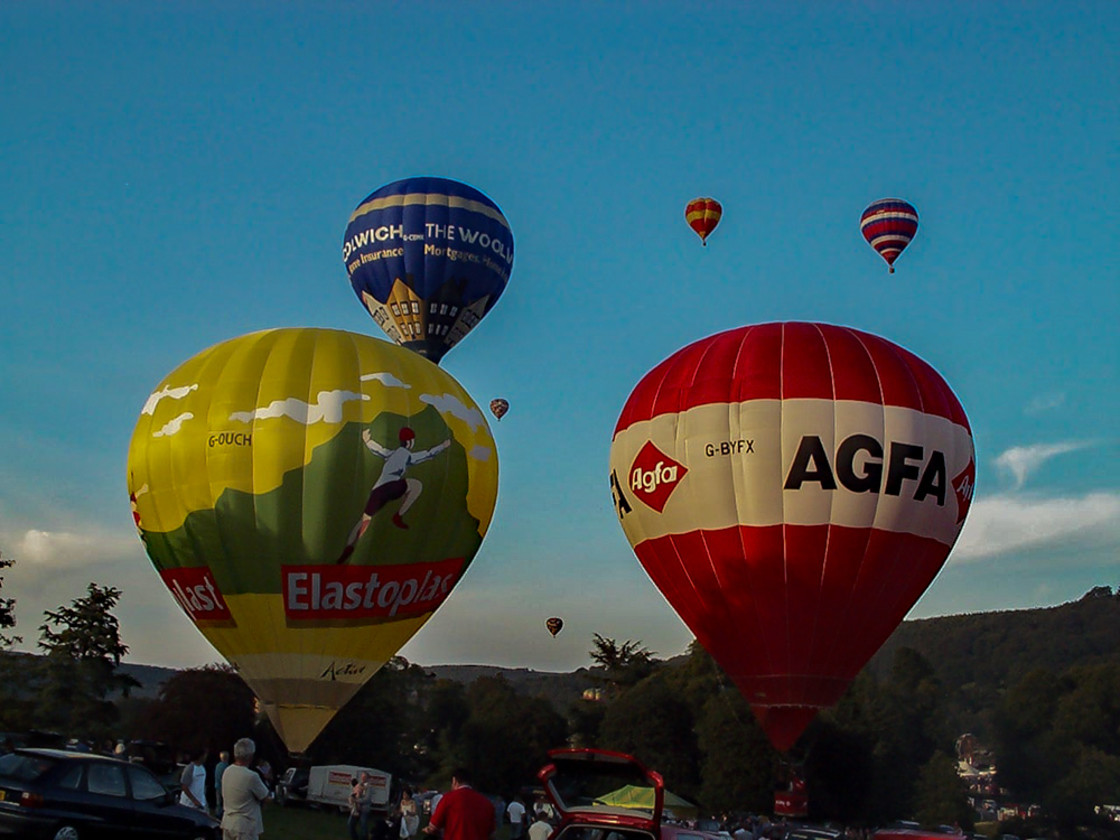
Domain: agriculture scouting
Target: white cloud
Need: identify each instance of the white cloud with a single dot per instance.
(1020, 461)
(166, 392)
(1046, 402)
(448, 404)
(386, 379)
(1003, 524)
(327, 408)
(173, 426)
(52, 568)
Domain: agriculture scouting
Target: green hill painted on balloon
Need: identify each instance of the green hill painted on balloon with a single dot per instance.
(246, 538)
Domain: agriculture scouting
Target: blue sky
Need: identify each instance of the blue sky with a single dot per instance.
(174, 174)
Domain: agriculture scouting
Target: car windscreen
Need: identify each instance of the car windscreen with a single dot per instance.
(25, 767)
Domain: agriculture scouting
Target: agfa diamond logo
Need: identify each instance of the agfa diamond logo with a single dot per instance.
(963, 485)
(654, 476)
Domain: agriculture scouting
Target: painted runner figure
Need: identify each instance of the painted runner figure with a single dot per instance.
(392, 484)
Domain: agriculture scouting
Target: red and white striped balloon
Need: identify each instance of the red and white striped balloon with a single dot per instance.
(792, 489)
(888, 225)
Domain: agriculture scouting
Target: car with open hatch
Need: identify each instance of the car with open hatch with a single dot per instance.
(63, 795)
(605, 795)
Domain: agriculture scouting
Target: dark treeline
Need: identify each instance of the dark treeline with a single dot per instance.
(886, 751)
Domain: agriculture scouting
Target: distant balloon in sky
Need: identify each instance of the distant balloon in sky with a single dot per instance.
(310, 497)
(499, 407)
(792, 489)
(888, 225)
(428, 258)
(554, 625)
(703, 215)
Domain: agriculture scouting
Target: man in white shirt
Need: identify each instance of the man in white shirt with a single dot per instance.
(541, 827)
(192, 782)
(243, 791)
(516, 812)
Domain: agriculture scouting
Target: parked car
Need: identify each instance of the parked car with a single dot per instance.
(578, 781)
(63, 795)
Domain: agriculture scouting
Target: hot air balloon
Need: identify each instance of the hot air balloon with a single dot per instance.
(428, 258)
(792, 489)
(703, 215)
(499, 408)
(554, 625)
(310, 497)
(888, 225)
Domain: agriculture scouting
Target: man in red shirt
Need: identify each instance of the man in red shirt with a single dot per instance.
(463, 813)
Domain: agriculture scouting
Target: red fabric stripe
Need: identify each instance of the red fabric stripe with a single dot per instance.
(853, 372)
(901, 227)
(791, 613)
(806, 370)
(789, 360)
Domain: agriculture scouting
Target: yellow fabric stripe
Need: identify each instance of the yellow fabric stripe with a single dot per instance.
(430, 198)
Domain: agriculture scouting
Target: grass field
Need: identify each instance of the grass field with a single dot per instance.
(300, 823)
(303, 824)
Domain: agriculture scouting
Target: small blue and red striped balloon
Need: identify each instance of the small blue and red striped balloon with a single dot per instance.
(888, 225)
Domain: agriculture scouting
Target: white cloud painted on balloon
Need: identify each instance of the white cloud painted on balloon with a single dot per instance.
(327, 408)
(449, 404)
(173, 425)
(385, 378)
(166, 392)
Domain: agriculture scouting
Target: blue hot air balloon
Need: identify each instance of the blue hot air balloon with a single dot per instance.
(428, 258)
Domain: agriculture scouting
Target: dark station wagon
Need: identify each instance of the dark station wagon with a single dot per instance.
(62, 795)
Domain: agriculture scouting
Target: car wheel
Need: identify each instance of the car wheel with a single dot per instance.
(66, 832)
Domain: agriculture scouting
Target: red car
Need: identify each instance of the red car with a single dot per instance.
(602, 795)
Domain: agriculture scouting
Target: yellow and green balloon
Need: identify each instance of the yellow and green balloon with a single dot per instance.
(252, 473)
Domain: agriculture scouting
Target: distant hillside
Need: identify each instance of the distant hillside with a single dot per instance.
(992, 650)
(560, 689)
(996, 649)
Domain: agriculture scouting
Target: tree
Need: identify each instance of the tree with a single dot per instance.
(739, 765)
(84, 649)
(507, 736)
(651, 722)
(382, 725)
(201, 708)
(940, 797)
(623, 665)
(7, 611)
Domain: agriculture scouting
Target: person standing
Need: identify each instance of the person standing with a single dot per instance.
(243, 791)
(516, 812)
(541, 827)
(355, 803)
(223, 763)
(410, 816)
(365, 804)
(192, 782)
(462, 813)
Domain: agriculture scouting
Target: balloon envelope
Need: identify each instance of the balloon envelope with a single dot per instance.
(702, 215)
(888, 225)
(499, 408)
(792, 489)
(428, 258)
(249, 473)
(554, 625)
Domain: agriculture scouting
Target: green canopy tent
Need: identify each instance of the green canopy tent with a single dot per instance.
(641, 798)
